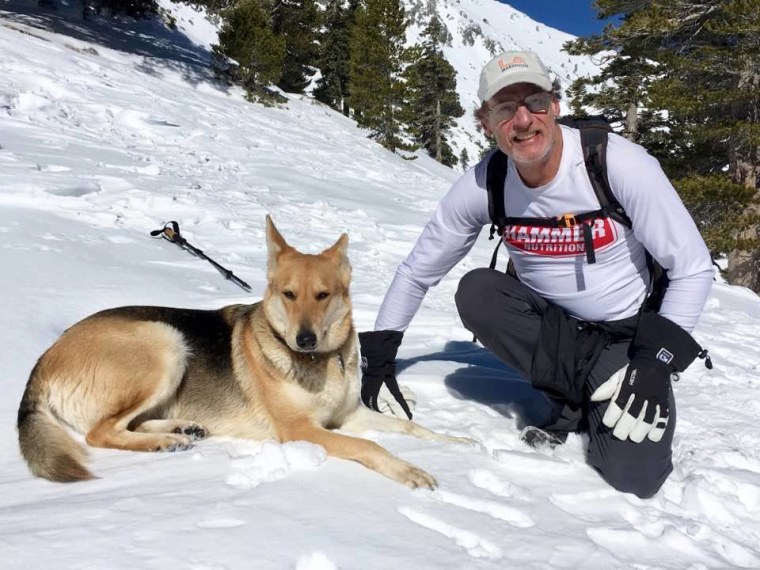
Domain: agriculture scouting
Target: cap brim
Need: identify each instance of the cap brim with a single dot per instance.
(518, 77)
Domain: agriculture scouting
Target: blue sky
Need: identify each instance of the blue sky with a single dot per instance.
(575, 17)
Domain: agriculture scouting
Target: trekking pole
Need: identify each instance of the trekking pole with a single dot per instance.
(170, 232)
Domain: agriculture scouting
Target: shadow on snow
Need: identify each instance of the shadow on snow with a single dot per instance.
(162, 47)
(486, 380)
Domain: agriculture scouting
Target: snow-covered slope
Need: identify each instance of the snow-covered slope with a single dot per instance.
(109, 130)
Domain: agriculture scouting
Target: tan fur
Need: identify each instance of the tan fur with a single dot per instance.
(141, 379)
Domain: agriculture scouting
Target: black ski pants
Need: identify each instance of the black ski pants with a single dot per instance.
(505, 315)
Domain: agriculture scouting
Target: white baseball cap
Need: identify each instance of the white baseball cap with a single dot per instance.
(509, 68)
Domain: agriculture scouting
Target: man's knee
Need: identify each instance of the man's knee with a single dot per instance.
(643, 478)
(474, 288)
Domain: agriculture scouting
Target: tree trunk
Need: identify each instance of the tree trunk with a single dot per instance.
(744, 266)
(438, 141)
(744, 165)
(631, 122)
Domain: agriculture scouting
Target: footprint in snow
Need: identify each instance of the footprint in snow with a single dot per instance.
(75, 191)
(493, 483)
(52, 168)
(595, 506)
(220, 523)
(648, 542)
(476, 546)
(315, 561)
(494, 509)
(257, 462)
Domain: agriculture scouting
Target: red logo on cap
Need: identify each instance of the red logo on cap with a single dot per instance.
(517, 60)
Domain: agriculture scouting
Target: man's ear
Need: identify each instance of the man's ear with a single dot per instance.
(486, 129)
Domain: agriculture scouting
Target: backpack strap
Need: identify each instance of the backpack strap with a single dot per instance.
(496, 177)
(594, 131)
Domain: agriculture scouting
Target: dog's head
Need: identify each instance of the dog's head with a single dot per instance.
(307, 298)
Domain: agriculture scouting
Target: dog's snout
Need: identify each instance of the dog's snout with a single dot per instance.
(306, 340)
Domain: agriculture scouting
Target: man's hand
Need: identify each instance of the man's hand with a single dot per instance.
(640, 395)
(378, 351)
(640, 392)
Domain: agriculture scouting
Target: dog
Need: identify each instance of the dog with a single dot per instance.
(147, 378)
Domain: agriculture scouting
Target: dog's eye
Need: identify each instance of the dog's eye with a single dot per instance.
(289, 295)
(322, 295)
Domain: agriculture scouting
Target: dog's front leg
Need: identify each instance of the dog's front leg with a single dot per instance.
(366, 452)
(362, 419)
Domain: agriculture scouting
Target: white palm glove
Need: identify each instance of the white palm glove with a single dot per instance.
(387, 404)
(639, 394)
(639, 403)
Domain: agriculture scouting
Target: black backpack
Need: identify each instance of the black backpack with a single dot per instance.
(594, 131)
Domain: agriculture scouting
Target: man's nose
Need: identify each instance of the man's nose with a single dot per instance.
(522, 115)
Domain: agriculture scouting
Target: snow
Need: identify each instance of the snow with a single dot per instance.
(106, 133)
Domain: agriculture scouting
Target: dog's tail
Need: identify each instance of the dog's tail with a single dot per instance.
(49, 450)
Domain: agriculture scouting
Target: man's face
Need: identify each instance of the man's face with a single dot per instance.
(528, 136)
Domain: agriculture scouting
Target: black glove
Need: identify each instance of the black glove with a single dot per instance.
(378, 350)
(640, 392)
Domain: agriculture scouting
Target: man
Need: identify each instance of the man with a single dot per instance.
(578, 326)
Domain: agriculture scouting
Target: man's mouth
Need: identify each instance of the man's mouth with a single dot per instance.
(525, 136)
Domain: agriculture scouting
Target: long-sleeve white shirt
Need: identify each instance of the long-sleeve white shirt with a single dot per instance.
(553, 262)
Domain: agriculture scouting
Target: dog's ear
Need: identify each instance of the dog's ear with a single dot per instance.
(339, 248)
(276, 244)
(338, 252)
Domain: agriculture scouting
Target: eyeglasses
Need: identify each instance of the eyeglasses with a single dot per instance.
(536, 103)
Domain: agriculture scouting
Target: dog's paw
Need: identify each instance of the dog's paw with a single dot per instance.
(415, 478)
(178, 447)
(195, 431)
(172, 443)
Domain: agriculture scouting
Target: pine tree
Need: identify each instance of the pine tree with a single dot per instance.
(690, 73)
(257, 53)
(433, 103)
(377, 61)
(296, 22)
(464, 159)
(137, 9)
(213, 7)
(334, 61)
